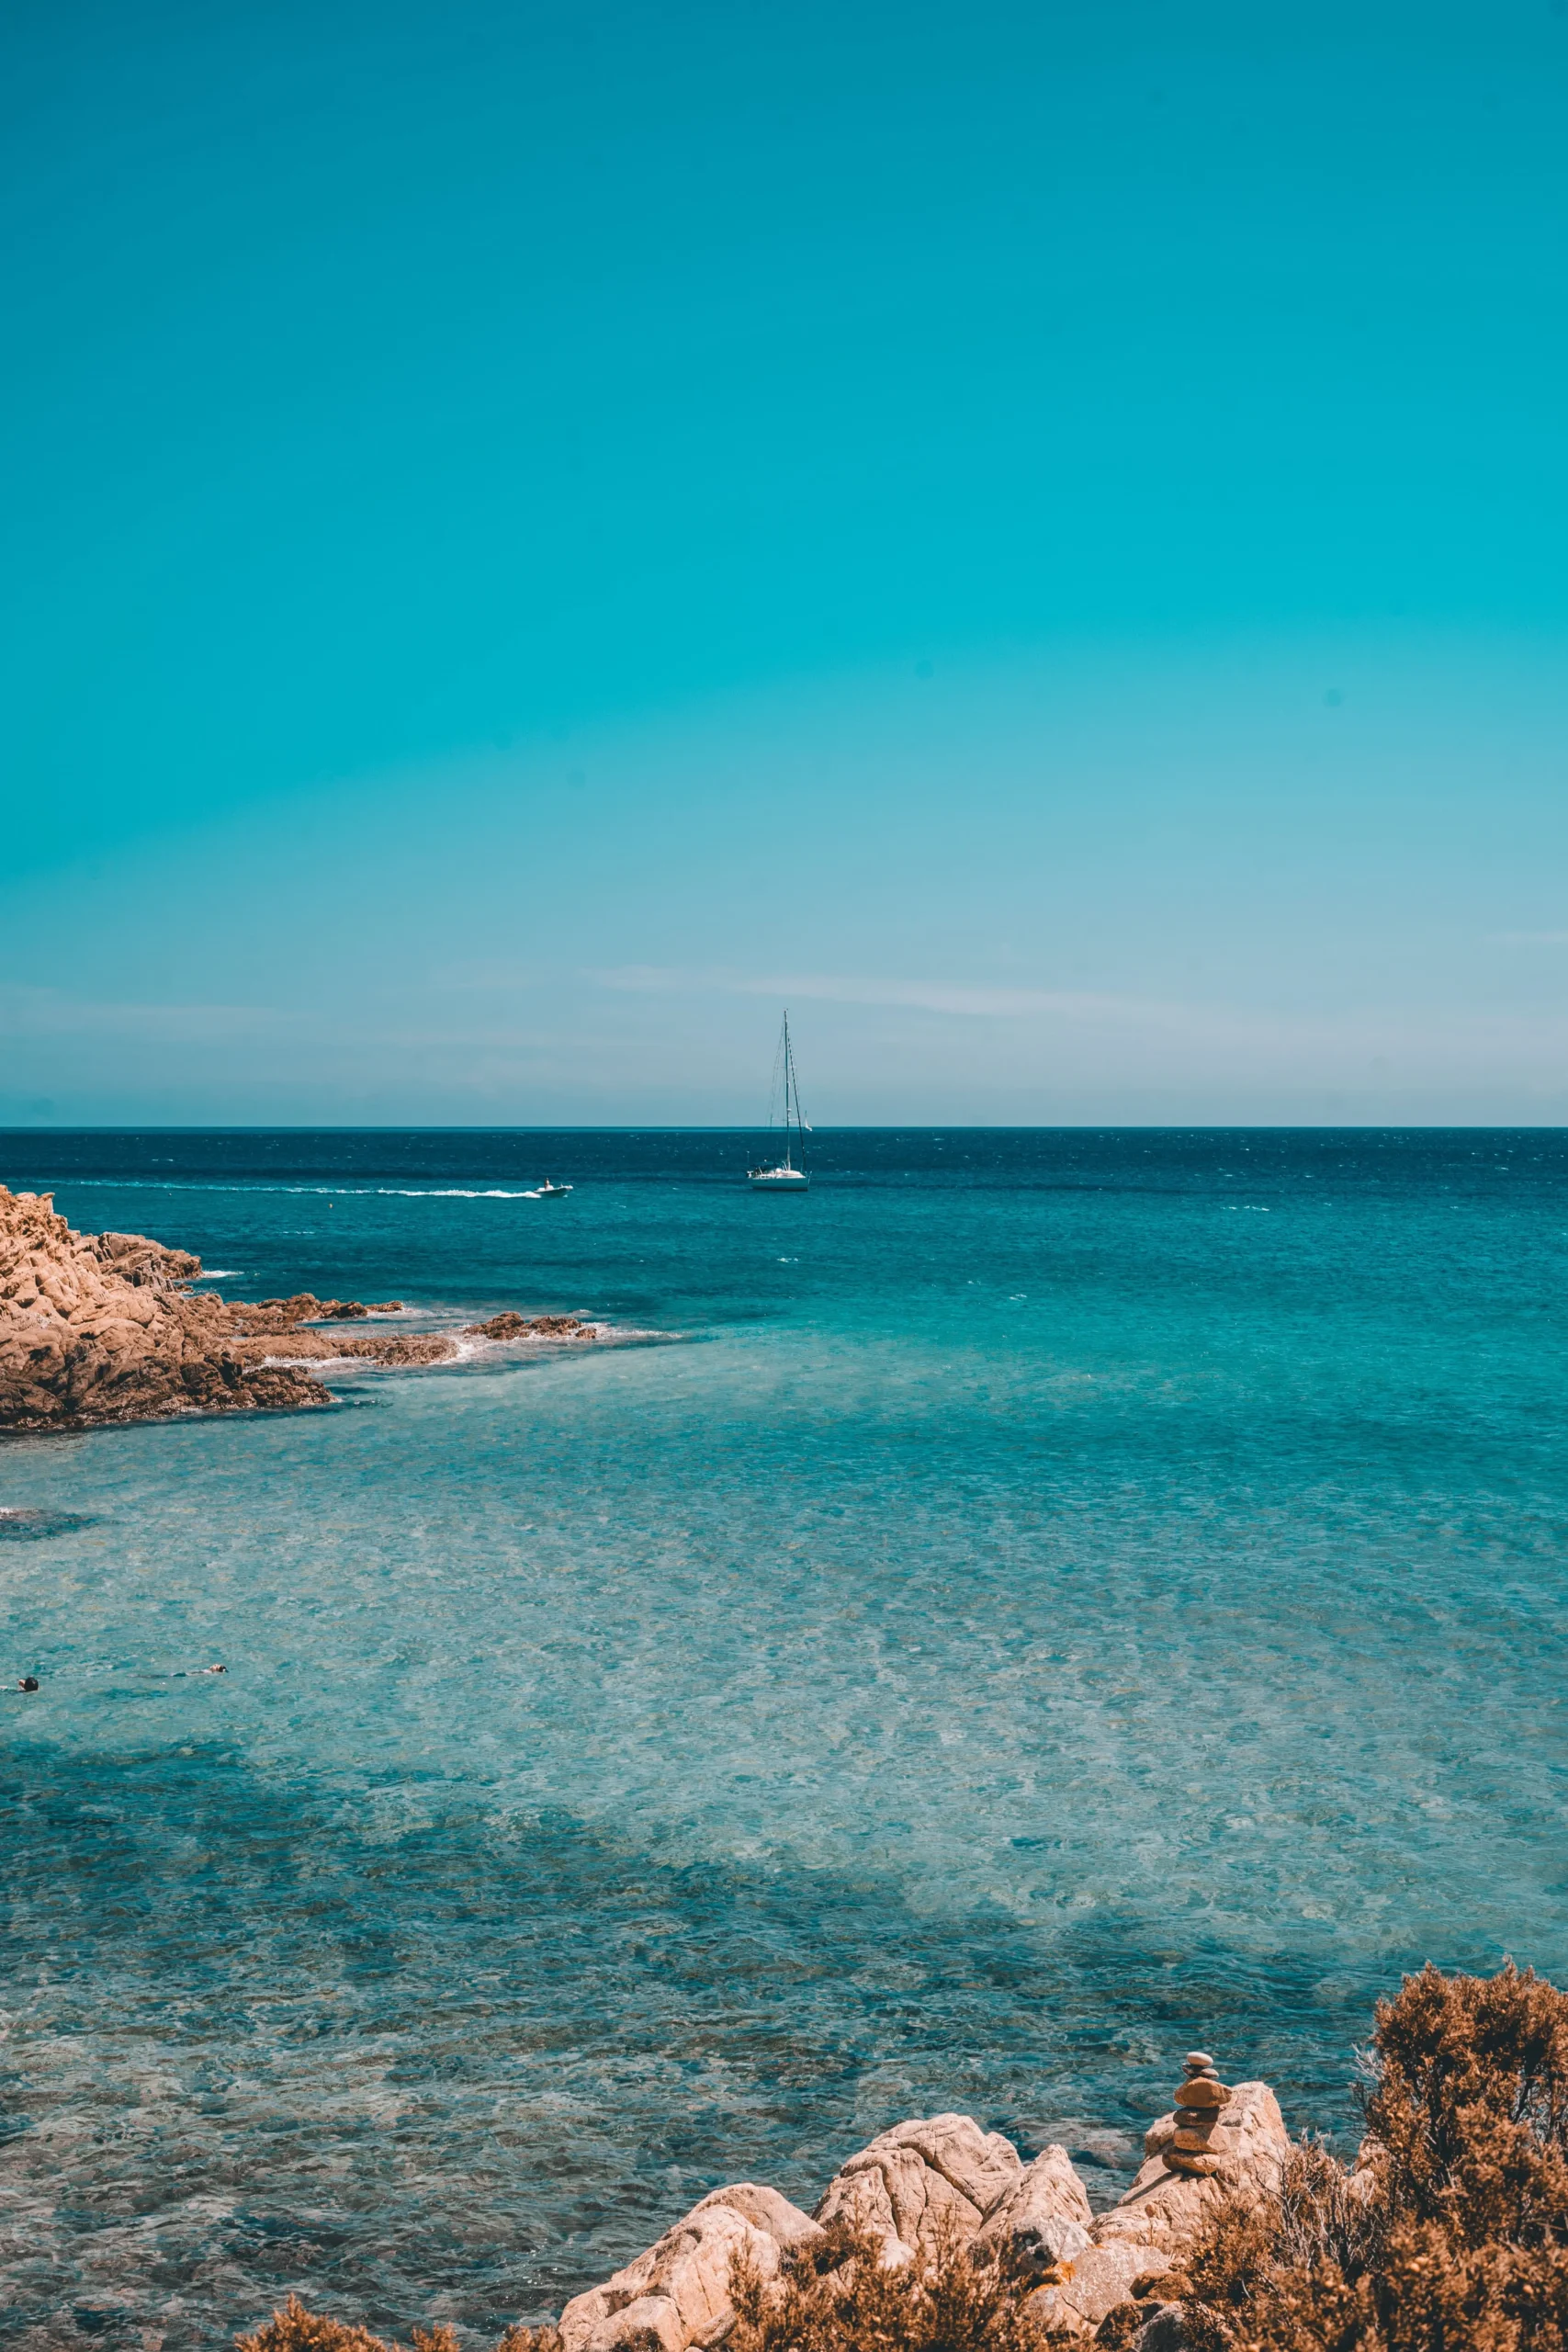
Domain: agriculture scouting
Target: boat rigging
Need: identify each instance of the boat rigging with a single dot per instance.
(784, 1106)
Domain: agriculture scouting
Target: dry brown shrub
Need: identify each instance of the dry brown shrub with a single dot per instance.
(835, 2296)
(1471, 2104)
(1118, 2330)
(1456, 2237)
(294, 2329)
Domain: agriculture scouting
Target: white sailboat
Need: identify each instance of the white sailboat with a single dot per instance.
(784, 1176)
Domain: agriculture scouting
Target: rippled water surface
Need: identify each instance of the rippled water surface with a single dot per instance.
(1038, 1601)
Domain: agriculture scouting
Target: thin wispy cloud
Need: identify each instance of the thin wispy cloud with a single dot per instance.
(51, 1013)
(1257, 1038)
(919, 996)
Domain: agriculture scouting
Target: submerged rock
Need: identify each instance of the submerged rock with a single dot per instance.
(37, 1526)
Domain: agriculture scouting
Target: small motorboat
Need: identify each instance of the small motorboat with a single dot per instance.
(784, 1176)
(549, 1191)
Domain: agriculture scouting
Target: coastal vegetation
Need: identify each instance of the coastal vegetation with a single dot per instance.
(1446, 2232)
(1450, 2234)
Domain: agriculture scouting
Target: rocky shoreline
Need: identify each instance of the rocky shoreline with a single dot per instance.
(99, 1329)
(935, 2183)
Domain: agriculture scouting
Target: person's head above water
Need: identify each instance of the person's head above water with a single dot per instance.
(27, 1683)
(215, 1669)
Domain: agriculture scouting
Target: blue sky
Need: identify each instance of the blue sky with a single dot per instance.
(534, 533)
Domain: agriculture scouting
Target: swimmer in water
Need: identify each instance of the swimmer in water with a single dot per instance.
(215, 1669)
(27, 1683)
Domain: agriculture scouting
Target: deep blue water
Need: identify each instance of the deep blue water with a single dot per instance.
(1042, 1601)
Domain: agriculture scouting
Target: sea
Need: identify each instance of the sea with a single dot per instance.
(1038, 1602)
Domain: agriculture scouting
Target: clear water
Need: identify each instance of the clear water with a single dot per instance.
(1053, 1599)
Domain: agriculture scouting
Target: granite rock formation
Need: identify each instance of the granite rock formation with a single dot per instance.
(920, 2178)
(913, 2185)
(678, 2292)
(1145, 2234)
(103, 1327)
(1045, 2220)
(941, 2178)
(1167, 2204)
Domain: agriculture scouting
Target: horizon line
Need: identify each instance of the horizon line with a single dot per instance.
(755, 1127)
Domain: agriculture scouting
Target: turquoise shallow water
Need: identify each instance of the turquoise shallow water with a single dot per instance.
(1040, 1601)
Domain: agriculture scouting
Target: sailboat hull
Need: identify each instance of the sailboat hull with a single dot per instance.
(778, 1180)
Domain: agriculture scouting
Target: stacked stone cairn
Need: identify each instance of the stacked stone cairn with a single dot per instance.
(1198, 2105)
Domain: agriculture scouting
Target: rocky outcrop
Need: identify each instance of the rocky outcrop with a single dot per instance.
(290, 1345)
(1166, 2205)
(1045, 2220)
(1097, 2281)
(924, 2181)
(306, 1308)
(146, 1265)
(921, 2180)
(1145, 2234)
(678, 2292)
(398, 1349)
(103, 1327)
(1162, 2331)
(532, 1327)
(941, 2179)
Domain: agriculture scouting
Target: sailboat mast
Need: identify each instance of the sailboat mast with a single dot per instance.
(790, 1081)
(799, 1114)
